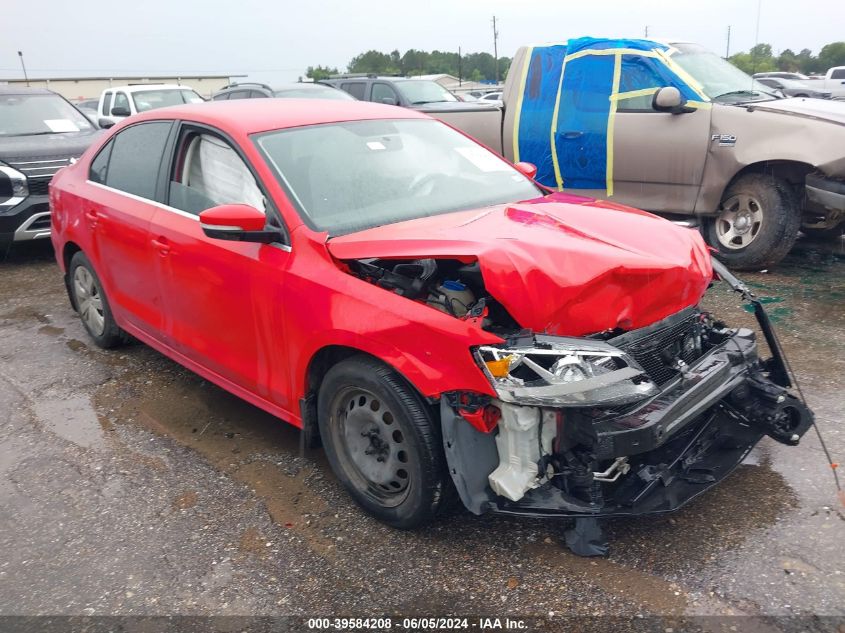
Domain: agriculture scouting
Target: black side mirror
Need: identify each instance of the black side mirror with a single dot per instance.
(669, 99)
(120, 111)
(105, 123)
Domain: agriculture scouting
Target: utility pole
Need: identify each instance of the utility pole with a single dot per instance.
(459, 66)
(496, 48)
(20, 54)
(646, 31)
(728, 45)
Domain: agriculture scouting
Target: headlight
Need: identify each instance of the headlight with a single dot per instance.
(14, 186)
(564, 372)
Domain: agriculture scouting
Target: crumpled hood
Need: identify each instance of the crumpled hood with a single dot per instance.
(562, 264)
(825, 109)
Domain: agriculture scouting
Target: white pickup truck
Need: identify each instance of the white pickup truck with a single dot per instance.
(833, 82)
(122, 101)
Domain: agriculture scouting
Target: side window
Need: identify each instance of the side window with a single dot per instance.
(256, 94)
(100, 165)
(383, 91)
(136, 157)
(355, 88)
(220, 97)
(106, 104)
(638, 74)
(239, 94)
(839, 73)
(208, 173)
(121, 101)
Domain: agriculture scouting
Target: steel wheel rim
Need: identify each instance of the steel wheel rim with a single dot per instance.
(89, 302)
(740, 221)
(372, 445)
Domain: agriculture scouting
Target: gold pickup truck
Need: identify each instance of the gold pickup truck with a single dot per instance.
(674, 129)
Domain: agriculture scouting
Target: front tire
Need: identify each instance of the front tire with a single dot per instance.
(757, 224)
(382, 442)
(91, 303)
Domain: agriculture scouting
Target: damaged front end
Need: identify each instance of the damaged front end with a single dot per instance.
(616, 424)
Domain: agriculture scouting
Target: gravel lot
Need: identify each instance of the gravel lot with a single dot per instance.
(129, 485)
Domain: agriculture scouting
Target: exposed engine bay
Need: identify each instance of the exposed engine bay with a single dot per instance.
(448, 285)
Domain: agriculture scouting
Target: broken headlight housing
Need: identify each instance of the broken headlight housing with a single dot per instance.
(555, 371)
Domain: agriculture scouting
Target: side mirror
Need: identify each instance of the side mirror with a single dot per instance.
(120, 111)
(238, 223)
(389, 101)
(528, 170)
(669, 99)
(105, 123)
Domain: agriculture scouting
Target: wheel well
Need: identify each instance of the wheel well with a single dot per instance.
(323, 360)
(792, 171)
(70, 249)
(68, 252)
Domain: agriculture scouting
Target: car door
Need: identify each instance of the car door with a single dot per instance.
(122, 197)
(224, 298)
(384, 93)
(658, 157)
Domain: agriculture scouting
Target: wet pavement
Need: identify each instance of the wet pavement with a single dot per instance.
(129, 485)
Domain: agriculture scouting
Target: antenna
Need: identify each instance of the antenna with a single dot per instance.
(20, 54)
(496, 48)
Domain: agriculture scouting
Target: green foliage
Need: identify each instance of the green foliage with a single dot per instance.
(320, 72)
(762, 59)
(473, 66)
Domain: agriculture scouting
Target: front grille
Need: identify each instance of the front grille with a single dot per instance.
(657, 346)
(39, 186)
(39, 168)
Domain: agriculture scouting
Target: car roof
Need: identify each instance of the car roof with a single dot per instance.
(249, 116)
(23, 90)
(145, 87)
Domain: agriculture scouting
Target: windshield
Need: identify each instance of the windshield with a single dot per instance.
(152, 99)
(29, 114)
(720, 80)
(420, 92)
(314, 92)
(346, 177)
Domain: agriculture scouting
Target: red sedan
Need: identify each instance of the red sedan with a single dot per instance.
(419, 306)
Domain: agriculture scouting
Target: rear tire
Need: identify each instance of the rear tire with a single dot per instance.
(758, 222)
(382, 442)
(91, 303)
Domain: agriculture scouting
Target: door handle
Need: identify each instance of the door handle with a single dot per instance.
(161, 245)
(92, 217)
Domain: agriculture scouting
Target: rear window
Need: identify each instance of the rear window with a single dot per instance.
(136, 156)
(355, 88)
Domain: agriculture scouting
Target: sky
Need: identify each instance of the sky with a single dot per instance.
(275, 41)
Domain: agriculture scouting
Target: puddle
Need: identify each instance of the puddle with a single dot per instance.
(72, 418)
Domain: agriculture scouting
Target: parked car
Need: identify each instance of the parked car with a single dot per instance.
(88, 107)
(300, 90)
(833, 81)
(495, 97)
(40, 132)
(781, 75)
(382, 281)
(792, 88)
(476, 118)
(115, 104)
(682, 133)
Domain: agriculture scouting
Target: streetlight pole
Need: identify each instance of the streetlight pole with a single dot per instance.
(20, 54)
(496, 49)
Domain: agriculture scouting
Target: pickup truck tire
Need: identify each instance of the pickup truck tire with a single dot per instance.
(92, 305)
(382, 442)
(758, 222)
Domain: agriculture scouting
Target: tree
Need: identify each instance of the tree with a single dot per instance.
(831, 55)
(320, 72)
